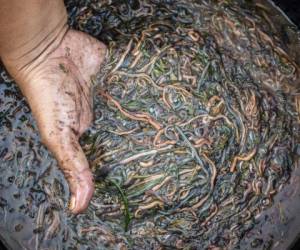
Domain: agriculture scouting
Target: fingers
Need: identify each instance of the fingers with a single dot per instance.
(81, 192)
(74, 165)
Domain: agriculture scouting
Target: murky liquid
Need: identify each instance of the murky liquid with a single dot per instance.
(33, 192)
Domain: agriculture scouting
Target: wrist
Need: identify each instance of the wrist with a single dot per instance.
(24, 45)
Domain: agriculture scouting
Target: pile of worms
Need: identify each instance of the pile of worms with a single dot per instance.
(195, 131)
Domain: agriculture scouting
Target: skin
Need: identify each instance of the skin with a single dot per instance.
(53, 66)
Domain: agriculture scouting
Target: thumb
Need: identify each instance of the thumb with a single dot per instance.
(75, 167)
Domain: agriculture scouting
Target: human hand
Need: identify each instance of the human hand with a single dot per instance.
(57, 86)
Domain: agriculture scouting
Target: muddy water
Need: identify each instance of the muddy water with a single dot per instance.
(34, 194)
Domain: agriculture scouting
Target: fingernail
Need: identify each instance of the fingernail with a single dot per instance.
(72, 203)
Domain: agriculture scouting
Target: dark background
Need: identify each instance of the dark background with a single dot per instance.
(1, 246)
(292, 10)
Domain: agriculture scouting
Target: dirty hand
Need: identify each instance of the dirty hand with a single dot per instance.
(57, 85)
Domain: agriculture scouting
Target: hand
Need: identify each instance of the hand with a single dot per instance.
(58, 89)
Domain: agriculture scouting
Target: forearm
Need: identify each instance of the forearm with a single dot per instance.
(29, 29)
